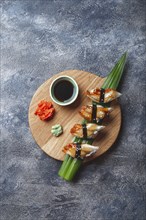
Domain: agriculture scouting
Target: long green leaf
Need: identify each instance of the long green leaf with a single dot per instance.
(71, 165)
(113, 79)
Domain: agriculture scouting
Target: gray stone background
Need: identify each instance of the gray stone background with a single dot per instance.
(39, 39)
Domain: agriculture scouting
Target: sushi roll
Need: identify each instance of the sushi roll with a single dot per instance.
(80, 150)
(103, 95)
(86, 131)
(100, 112)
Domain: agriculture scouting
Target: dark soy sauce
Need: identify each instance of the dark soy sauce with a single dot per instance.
(63, 90)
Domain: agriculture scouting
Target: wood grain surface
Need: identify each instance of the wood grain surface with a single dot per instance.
(68, 116)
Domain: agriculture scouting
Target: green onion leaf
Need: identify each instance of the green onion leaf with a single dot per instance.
(65, 165)
(73, 168)
(70, 166)
(113, 79)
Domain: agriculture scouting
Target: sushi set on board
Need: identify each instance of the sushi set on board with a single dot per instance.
(75, 117)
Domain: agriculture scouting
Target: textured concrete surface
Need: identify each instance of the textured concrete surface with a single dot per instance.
(39, 39)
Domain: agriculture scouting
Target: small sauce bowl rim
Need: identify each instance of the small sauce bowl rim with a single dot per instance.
(74, 83)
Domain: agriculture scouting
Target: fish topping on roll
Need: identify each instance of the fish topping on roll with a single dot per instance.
(100, 112)
(86, 131)
(80, 150)
(101, 95)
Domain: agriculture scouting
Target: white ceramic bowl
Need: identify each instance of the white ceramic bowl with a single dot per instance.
(73, 97)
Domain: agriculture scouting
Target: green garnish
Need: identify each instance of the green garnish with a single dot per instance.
(57, 130)
(65, 165)
(113, 79)
(70, 166)
(73, 168)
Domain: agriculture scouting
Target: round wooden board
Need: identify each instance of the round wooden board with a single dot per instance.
(68, 116)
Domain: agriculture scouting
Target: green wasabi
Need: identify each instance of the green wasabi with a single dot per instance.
(57, 130)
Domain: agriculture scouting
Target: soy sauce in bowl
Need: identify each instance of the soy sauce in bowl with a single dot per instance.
(63, 90)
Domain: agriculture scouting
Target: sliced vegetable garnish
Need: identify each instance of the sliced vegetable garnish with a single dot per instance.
(45, 110)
